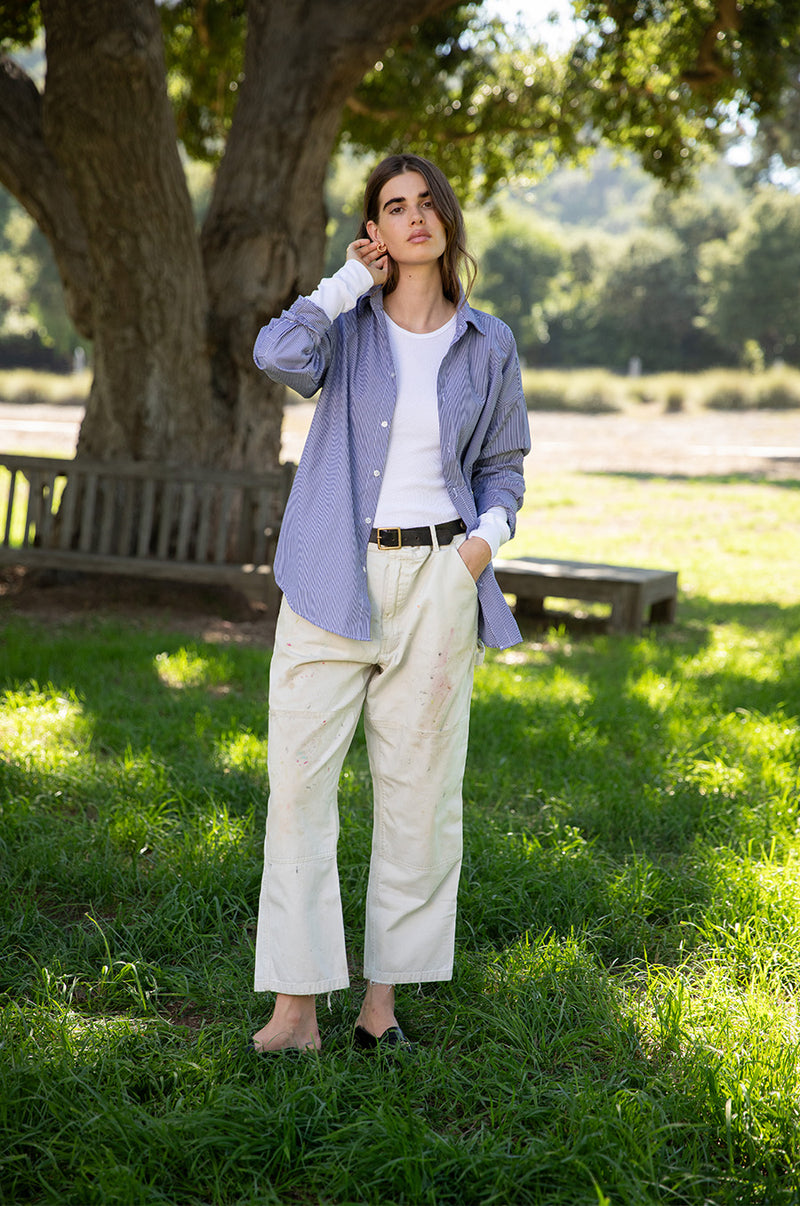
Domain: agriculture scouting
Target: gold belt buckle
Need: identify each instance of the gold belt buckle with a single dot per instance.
(381, 545)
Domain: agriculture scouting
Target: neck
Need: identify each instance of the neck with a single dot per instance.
(418, 303)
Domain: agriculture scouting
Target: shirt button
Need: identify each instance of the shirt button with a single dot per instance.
(376, 472)
(384, 423)
(368, 519)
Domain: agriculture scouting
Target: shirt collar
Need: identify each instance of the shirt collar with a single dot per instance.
(464, 314)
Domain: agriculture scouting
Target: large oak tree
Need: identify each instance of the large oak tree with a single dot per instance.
(261, 87)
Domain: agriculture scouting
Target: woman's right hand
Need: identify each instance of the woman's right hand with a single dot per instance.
(373, 259)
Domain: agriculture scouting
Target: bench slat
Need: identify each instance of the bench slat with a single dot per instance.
(221, 542)
(185, 522)
(87, 512)
(108, 497)
(125, 532)
(146, 518)
(66, 515)
(12, 487)
(203, 526)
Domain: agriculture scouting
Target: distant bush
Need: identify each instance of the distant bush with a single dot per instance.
(598, 391)
(590, 392)
(730, 396)
(778, 390)
(28, 386)
(597, 399)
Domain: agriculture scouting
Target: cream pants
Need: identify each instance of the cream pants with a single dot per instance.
(413, 680)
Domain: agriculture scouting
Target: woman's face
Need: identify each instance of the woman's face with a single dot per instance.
(407, 221)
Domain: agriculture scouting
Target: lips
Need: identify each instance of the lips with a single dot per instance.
(419, 237)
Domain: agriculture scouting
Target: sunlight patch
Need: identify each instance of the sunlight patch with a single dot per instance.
(86, 1036)
(653, 689)
(40, 723)
(243, 752)
(187, 668)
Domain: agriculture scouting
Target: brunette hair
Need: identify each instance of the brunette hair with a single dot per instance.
(455, 259)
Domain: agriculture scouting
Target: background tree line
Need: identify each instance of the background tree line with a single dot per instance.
(596, 267)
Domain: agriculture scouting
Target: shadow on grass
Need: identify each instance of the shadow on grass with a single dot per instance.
(599, 775)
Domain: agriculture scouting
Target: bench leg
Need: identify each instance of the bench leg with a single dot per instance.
(529, 607)
(663, 611)
(626, 609)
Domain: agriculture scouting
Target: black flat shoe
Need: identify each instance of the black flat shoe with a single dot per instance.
(392, 1042)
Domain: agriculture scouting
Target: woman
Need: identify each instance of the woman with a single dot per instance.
(409, 481)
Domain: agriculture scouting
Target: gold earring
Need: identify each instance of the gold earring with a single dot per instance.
(381, 248)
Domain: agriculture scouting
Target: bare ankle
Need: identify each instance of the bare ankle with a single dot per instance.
(377, 1010)
(293, 1024)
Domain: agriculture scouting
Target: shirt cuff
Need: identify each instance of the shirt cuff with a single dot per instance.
(339, 293)
(493, 528)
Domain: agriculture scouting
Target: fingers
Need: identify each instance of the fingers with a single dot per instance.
(371, 254)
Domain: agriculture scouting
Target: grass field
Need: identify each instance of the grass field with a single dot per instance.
(622, 1026)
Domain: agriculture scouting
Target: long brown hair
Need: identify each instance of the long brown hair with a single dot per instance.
(455, 258)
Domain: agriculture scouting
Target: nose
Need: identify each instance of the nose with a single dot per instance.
(417, 214)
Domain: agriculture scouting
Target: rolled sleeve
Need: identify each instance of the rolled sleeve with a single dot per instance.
(297, 347)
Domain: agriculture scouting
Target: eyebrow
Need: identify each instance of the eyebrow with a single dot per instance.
(394, 200)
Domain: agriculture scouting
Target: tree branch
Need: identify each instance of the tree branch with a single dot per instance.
(708, 69)
(32, 174)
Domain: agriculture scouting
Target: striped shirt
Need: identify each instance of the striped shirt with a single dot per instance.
(320, 562)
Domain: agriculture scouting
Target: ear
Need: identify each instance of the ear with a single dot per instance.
(372, 231)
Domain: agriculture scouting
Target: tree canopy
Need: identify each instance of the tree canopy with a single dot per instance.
(662, 80)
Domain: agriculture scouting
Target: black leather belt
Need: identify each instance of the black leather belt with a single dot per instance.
(400, 538)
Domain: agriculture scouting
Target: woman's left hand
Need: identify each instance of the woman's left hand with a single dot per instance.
(476, 555)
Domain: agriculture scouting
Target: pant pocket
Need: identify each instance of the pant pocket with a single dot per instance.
(462, 570)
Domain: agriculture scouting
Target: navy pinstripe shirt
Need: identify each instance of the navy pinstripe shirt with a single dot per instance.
(320, 563)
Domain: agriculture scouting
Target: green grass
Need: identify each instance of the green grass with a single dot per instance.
(622, 1026)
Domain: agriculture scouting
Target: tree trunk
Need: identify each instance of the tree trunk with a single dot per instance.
(264, 236)
(108, 119)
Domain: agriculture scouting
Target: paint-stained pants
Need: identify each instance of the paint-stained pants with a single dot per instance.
(413, 679)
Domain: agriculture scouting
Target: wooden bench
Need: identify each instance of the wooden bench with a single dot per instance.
(635, 595)
(144, 519)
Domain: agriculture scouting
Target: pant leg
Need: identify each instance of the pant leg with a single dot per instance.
(417, 723)
(317, 686)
